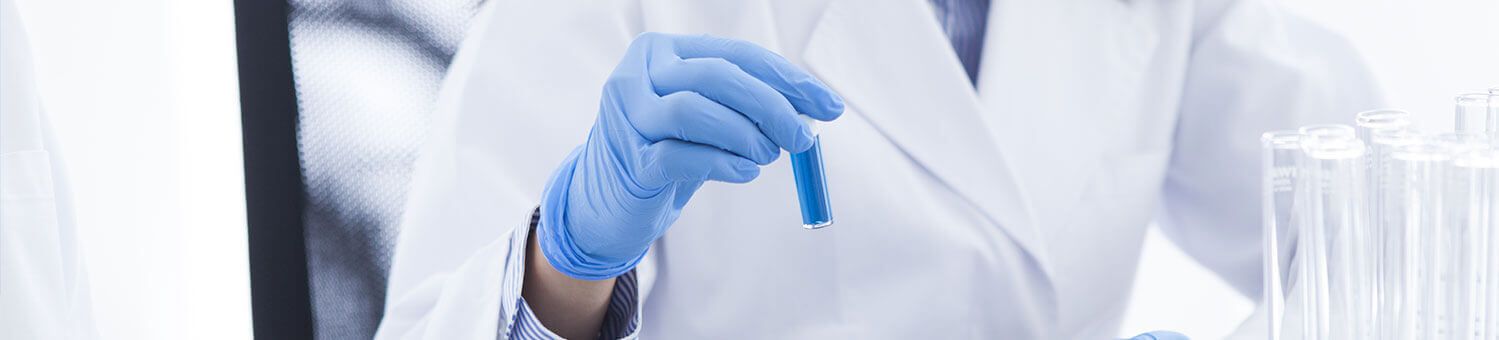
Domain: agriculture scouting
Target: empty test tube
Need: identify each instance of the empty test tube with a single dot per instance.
(1420, 172)
(1332, 214)
(1463, 241)
(1396, 239)
(1387, 123)
(1280, 151)
(1392, 125)
(1477, 113)
(1482, 168)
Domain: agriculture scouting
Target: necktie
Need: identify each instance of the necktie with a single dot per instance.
(964, 21)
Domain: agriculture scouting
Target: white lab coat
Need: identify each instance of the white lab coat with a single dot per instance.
(44, 292)
(1014, 210)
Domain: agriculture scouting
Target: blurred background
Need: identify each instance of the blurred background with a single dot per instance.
(366, 74)
(145, 99)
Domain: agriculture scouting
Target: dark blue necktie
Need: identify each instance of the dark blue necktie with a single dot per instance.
(964, 21)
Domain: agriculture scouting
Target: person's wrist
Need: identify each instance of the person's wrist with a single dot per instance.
(558, 248)
(556, 239)
(567, 306)
(538, 263)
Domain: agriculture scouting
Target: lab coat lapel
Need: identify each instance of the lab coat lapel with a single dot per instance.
(893, 65)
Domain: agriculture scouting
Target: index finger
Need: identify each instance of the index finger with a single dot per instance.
(807, 94)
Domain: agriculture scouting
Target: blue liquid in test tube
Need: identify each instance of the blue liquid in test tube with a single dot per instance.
(812, 187)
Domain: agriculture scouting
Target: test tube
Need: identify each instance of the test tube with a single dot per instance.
(1465, 246)
(1477, 113)
(1482, 168)
(1332, 213)
(1389, 123)
(1420, 173)
(1396, 254)
(811, 183)
(1280, 150)
(1367, 125)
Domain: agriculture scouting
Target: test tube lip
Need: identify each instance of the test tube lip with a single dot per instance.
(1383, 119)
(1282, 139)
(1483, 96)
(1331, 149)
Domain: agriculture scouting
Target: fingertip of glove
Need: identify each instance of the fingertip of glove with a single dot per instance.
(746, 171)
(828, 107)
(804, 140)
(768, 155)
(835, 105)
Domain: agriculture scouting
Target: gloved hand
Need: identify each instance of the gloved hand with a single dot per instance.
(677, 111)
(1160, 335)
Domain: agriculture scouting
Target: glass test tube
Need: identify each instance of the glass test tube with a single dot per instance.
(1332, 212)
(1367, 124)
(1482, 168)
(1465, 243)
(1477, 113)
(1396, 252)
(811, 183)
(1420, 172)
(1280, 150)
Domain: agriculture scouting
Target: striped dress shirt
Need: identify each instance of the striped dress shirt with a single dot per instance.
(518, 322)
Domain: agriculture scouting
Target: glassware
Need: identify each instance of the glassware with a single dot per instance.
(1280, 151)
(1332, 208)
(1388, 125)
(1376, 231)
(1395, 258)
(1482, 168)
(812, 187)
(1420, 175)
(1477, 113)
(1465, 241)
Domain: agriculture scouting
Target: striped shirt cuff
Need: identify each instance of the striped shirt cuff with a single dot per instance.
(621, 321)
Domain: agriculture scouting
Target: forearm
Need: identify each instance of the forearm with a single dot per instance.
(567, 306)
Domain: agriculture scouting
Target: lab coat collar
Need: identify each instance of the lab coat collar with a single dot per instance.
(896, 69)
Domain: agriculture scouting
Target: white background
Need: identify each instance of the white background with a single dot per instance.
(145, 100)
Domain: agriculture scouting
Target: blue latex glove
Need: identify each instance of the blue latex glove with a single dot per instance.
(677, 111)
(1160, 335)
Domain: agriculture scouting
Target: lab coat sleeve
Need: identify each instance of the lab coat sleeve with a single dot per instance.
(443, 306)
(520, 94)
(1253, 67)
